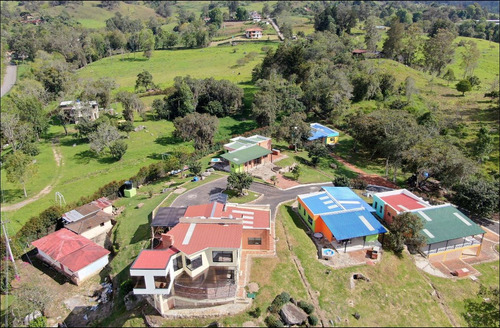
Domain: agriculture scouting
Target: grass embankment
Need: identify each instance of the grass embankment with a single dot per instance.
(233, 196)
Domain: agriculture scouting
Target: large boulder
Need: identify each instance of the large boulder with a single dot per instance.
(292, 314)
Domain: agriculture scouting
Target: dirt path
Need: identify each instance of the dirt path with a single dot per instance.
(9, 79)
(312, 294)
(44, 191)
(369, 178)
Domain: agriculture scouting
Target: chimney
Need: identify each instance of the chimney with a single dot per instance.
(167, 240)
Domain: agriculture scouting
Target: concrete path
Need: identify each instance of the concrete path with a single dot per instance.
(9, 79)
(271, 195)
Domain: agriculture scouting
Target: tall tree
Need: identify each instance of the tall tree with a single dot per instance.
(483, 145)
(20, 168)
(200, 128)
(103, 138)
(372, 34)
(470, 56)
(478, 196)
(405, 229)
(412, 44)
(294, 129)
(439, 51)
(394, 42)
(144, 79)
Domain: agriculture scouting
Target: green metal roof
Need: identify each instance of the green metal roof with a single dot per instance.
(238, 144)
(246, 154)
(446, 223)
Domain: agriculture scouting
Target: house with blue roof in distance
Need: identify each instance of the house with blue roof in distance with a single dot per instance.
(343, 218)
(323, 133)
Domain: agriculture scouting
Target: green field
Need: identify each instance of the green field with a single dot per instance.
(219, 62)
(82, 173)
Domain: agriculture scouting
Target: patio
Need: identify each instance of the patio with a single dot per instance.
(214, 283)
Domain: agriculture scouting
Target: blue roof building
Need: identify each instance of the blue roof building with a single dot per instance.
(323, 133)
(341, 216)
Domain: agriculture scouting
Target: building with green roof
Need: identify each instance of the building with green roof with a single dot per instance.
(245, 153)
(449, 233)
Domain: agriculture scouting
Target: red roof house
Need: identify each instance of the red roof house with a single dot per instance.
(75, 256)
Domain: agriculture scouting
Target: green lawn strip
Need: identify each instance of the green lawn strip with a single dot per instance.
(395, 287)
(164, 65)
(234, 198)
(456, 291)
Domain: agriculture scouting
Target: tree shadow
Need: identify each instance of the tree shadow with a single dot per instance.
(73, 141)
(45, 268)
(11, 195)
(452, 95)
(167, 140)
(134, 59)
(85, 156)
(302, 160)
(242, 127)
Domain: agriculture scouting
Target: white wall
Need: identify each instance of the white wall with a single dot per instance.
(92, 268)
(96, 231)
(149, 279)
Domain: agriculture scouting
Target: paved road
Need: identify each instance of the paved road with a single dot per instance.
(272, 196)
(9, 79)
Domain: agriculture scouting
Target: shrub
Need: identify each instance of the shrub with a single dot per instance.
(307, 307)
(281, 299)
(38, 322)
(272, 321)
(342, 181)
(118, 149)
(256, 313)
(313, 320)
(30, 149)
(126, 287)
(358, 184)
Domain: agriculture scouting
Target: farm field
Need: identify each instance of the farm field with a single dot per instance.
(165, 65)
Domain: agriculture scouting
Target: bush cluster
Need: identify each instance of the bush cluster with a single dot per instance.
(273, 321)
(307, 307)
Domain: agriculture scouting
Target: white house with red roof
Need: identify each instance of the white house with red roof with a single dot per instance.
(253, 33)
(198, 261)
(73, 255)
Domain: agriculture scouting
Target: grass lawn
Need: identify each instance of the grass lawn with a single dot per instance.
(82, 173)
(218, 62)
(234, 198)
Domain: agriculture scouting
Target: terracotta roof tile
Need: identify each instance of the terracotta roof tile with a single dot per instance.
(154, 259)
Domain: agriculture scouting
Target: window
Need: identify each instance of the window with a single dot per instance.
(310, 220)
(380, 208)
(300, 207)
(194, 263)
(178, 263)
(375, 205)
(162, 281)
(222, 256)
(102, 224)
(388, 214)
(254, 241)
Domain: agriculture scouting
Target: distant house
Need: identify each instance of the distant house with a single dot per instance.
(255, 16)
(449, 233)
(198, 261)
(253, 33)
(362, 53)
(342, 217)
(73, 255)
(325, 134)
(92, 221)
(245, 154)
(78, 109)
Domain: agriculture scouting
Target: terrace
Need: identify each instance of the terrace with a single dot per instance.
(214, 283)
(452, 244)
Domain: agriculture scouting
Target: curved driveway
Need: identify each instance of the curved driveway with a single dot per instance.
(271, 195)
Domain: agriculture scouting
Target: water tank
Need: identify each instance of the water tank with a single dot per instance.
(128, 185)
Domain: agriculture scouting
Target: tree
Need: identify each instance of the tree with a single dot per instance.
(20, 168)
(216, 17)
(394, 43)
(405, 229)
(449, 75)
(412, 44)
(482, 311)
(474, 81)
(372, 34)
(296, 171)
(286, 30)
(478, 196)
(181, 102)
(15, 132)
(469, 56)
(144, 79)
(146, 42)
(103, 137)
(483, 145)
(464, 86)
(294, 130)
(195, 167)
(410, 88)
(241, 14)
(131, 103)
(118, 149)
(439, 51)
(316, 151)
(239, 181)
(200, 128)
